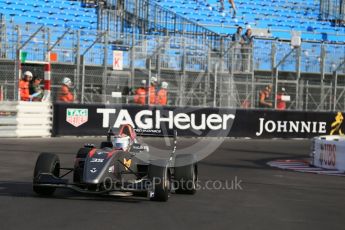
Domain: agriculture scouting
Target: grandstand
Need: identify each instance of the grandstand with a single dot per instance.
(279, 17)
(63, 14)
(178, 38)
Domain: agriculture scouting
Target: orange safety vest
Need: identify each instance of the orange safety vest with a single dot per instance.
(281, 105)
(24, 90)
(65, 95)
(140, 96)
(152, 90)
(162, 97)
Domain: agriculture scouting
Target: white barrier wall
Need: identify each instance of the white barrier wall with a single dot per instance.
(25, 119)
(329, 152)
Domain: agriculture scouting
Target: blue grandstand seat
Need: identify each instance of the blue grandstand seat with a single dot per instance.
(282, 15)
(50, 12)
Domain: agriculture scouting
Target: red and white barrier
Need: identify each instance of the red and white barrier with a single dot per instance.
(47, 82)
(328, 152)
(1, 93)
(47, 79)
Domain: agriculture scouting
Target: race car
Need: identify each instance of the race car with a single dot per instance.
(122, 165)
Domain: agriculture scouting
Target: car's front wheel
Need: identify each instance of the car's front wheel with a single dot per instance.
(160, 179)
(46, 163)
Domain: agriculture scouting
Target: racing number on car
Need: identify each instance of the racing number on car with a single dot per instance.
(328, 154)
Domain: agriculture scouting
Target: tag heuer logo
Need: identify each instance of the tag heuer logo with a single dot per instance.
(77, 117)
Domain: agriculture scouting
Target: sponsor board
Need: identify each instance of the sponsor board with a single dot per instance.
(329, 154)
(337, 125)
(76, 116)
(292, 124)
(271, 126)
(144, 120)
(148, 120)
(213, 122)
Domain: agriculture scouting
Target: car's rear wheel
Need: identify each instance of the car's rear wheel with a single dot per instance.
(160, 179)
(46, 163)
(186, 178)
(185, 174)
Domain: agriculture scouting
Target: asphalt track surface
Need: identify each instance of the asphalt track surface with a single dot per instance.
(269, 198)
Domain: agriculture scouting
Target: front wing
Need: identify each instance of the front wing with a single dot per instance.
(49, 180)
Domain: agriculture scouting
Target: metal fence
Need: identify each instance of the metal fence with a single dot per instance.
(143, 16)
(197, 73)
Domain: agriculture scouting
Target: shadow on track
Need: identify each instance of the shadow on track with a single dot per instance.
(251, 164)
(261, 152)
(24, 189)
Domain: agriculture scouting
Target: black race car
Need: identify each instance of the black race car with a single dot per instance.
(122, 165)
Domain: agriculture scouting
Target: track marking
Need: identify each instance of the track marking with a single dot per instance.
(303, 166)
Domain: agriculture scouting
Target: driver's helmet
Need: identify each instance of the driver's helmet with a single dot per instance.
(121, 141)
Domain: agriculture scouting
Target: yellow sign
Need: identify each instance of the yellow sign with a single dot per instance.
(127, 163)
(336, 125)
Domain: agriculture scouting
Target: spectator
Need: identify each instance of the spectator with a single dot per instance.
(162, 95)
(247, 41)
(35, 89)
(236, 38)
(140, 94)
(24, 86)
(264, 97)
(65, 94)
(282, 98)
(232, 3)
(152, 91)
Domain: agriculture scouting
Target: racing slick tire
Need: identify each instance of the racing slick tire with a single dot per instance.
(159, 176)
(185, 176)
(46, 163)
(79, 164)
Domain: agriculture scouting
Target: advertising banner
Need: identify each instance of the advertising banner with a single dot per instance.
(83, 120)
(329, 154)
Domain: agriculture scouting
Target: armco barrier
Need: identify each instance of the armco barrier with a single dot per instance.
(81, 119)
(25, 119)
(329, 152)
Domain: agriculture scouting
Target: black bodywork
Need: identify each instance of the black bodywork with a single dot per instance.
(106, 170)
